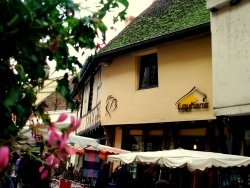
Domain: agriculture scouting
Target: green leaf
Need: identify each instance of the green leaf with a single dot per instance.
(28, 29)
(124, 2)
(12, 97)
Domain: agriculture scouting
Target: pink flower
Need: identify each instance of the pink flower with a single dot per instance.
(59, 142)
(74, 124)
(69, 151)
(52, 160)
(44, 172)
(4, 156)
(63, 141)
(53, 134)
(62, 117)
(72, 121)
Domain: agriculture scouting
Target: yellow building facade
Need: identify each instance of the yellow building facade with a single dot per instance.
(150, 88)
(182, 65)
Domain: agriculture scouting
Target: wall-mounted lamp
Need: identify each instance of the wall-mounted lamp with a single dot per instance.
(195, 146)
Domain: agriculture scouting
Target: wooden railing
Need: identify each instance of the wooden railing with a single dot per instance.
(91, 120)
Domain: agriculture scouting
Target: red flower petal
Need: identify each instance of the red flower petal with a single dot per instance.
(54, 46)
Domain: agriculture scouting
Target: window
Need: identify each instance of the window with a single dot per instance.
(91, 94)
(148, 71)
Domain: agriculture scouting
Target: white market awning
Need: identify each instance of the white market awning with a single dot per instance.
(193, 160)
(74, 140)
(77, 142)
(106, 149)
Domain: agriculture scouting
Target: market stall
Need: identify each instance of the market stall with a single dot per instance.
(85, 176)
(90, 155)
(193, 166)
(192, 159)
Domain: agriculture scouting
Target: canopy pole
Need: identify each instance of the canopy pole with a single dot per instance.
(180, 178)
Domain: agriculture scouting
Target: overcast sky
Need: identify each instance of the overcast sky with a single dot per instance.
(134, 9)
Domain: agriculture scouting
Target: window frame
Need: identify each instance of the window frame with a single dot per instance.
(148, 63)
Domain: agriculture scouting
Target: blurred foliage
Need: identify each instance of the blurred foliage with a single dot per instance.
(31, 33)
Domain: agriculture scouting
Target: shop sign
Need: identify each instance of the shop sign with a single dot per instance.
(193, 100)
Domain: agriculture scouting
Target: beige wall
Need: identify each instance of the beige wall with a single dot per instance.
(181, 66)
(230, 43)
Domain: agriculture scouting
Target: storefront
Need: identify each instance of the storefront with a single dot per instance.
(190, 168)
(204, 135)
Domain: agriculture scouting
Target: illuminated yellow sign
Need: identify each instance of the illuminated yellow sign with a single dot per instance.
(191, 101)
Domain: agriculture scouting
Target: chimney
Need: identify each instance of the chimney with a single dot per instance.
(128, 20)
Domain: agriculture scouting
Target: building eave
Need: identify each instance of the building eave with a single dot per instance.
(109, 55)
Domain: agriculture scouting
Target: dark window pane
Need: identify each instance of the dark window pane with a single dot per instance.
(145, 77)
(154, 76)
(148, 71)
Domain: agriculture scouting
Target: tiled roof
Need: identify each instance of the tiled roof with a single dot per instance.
(163, 21)
(55, 102)
(163, 17)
